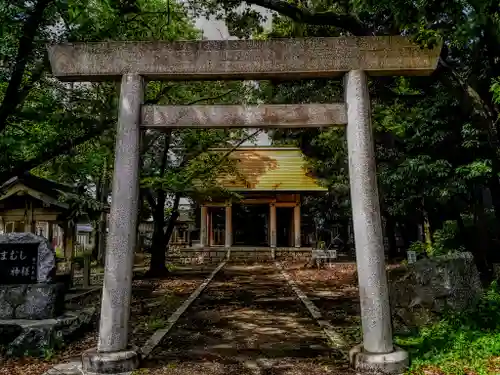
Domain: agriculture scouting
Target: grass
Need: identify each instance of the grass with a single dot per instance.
(155, 323)
(459, 344)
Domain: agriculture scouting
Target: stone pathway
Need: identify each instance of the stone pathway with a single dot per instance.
(247, 321)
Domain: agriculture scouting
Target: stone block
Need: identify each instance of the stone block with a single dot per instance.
(94, 362)
(238, 116)
(298, 58)
(34, 337)
(394, 363)
(31, 301)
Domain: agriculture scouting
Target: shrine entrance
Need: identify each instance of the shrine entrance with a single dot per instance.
(251, 225)
(216, 225)
(284, 227)
(353, 58)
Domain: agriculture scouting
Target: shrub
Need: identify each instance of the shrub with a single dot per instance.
(459, 342)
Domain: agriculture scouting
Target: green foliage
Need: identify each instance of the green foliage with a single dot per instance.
(495, 90)
(419, 247)
(444, 241)
(459, 343)
(155, 323)
(54, 118)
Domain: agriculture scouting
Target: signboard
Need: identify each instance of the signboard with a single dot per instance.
(412, 257)
(18, 263)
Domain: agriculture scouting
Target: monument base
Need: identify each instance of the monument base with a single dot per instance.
(394, 363)
(23, 337)
(31, 301)
(94, 362)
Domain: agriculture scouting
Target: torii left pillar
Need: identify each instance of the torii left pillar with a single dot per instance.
(113, 355)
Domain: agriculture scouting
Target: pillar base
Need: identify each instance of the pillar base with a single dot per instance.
(94, 362)
(394, 363)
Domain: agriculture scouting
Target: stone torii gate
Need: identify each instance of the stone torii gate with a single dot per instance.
(134, 62)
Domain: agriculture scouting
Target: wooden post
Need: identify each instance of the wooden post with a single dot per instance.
(210, 227)
(296, 224)
(203, 226)
(50, 233)
(27, 224)
(272, 224)
(229, 226)
(86, 270)
(32, 219)
(69, 248)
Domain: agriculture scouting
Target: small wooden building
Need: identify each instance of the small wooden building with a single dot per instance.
(32, 204)
(270, 182)
(181, 235)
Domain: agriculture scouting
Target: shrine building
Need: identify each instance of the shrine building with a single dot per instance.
(269, 183)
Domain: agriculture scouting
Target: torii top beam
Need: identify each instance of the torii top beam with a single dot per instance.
(242, 59)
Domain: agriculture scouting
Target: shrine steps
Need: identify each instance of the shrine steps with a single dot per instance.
(208, 255)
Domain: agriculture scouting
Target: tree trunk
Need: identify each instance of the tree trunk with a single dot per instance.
(462, 235)
(494, 186)
(100, 234)
(173, 219)
(481, 249)
(101, 249)
(158, 254)
(390, 232)
(409, 232)
(158, 250)
(427, 230)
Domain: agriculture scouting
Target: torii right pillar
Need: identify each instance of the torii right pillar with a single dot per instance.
(377, 353)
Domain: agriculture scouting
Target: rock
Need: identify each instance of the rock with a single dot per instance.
(31, 301)
(421, 292)
(46, 259)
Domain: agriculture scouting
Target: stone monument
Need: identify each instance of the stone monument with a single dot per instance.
(32, 316)
(27, 274)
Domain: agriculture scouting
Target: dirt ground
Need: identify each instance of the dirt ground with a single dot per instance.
(248, 321)
(333, 289)
(153, 302)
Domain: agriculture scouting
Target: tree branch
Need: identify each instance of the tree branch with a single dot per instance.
(210, 98)
(346, 22)
(13, 95)
(50, 153)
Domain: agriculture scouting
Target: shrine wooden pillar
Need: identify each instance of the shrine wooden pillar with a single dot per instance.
(50, 232)
(228, 241)
(203, 226)
(296, 225)
(272, 224)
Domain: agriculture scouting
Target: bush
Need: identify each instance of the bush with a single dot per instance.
(445, 241)
(459, 344)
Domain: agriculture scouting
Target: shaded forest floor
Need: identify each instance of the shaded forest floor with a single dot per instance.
(462, 344)
(249, 321)
(153, 301)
